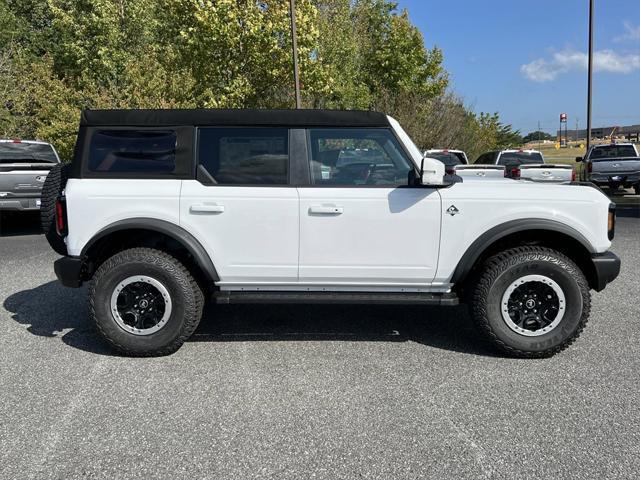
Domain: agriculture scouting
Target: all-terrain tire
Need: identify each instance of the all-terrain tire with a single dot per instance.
(505, 268)
(187, 301)
(53, 186)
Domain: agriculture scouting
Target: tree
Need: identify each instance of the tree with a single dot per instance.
(535, 136)
(60, 56)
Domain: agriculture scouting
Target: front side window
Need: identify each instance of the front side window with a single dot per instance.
(131, 151)
(245, 156)
(357, 156)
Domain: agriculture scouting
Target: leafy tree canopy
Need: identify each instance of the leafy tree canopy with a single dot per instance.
(535, 136)
(60, 56)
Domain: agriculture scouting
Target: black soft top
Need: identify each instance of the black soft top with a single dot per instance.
(234, 117)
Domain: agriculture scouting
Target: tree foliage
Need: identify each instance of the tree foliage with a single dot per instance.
(535, 136)
(60, 56)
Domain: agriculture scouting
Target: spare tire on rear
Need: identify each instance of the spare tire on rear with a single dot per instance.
(53, 186)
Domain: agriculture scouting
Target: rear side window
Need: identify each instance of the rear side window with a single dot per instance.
(132, 151)
(245, 156)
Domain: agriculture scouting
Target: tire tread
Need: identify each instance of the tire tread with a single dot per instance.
(496, 265)
(193, 306)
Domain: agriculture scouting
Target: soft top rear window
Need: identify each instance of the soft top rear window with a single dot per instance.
(133, 151)
(12, 152)
(520, 158)
(618, 152)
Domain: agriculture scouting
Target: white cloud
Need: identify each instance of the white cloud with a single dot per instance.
(631, 33)
(545, 70)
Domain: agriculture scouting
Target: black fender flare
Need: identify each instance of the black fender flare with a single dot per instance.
(177, 233)
(502, 230)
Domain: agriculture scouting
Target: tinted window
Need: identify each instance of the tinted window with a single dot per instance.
(485, 159)
(357, 156)
(245, 156)
(449, 159)
(520, 158)
(144, 151)
(26, 152)
(612, 151)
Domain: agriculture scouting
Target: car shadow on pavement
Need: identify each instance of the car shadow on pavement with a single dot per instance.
(444, 328)
(51, 310)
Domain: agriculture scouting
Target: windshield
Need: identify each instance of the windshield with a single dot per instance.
(520, 158)
(449, 159)
(11, 152)
(618, 152)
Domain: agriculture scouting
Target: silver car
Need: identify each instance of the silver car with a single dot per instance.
(24, 166)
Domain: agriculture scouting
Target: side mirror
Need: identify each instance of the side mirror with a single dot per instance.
(431, 171)
(579, 159)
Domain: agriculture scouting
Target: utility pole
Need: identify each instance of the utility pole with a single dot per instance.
(576, 129)
(294, 43)
(590, 74)
(539, 141)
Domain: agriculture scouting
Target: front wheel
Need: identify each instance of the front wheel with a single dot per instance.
(636, 188)
(144, 302)
(531, 301)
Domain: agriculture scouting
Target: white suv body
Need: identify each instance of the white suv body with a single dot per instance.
(317, 206)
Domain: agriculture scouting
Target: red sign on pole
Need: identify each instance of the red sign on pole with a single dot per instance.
(563, 117)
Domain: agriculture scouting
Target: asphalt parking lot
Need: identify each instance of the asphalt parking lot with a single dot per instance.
(310, 392)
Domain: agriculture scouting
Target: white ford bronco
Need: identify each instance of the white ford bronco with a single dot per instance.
(161, 210)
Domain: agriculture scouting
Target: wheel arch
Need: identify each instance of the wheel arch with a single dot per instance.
(528, 232)
(134, 230)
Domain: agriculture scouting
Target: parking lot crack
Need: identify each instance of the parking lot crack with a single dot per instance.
(58, 431)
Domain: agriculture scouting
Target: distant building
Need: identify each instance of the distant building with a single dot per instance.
(631, 132)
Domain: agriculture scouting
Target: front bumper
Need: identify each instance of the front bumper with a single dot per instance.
(69, 271)
(607, 268)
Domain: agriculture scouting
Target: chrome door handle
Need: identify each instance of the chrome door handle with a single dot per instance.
(202, 208)
(326, 210)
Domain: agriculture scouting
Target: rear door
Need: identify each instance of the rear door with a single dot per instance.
(241, 207)
(361, 226)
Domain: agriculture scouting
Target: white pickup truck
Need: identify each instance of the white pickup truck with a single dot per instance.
(161, 210)
(527, 165)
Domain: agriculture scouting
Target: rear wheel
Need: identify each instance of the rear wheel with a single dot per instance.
(531, 301)
(144, 302)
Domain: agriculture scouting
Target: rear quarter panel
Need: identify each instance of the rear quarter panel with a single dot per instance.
(487, 204)
(93, 204)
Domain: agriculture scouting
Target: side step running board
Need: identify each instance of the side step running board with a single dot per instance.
(379, 298)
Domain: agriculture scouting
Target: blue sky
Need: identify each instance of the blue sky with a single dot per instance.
(527, 59)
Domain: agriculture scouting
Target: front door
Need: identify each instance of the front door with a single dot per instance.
(361, 226)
